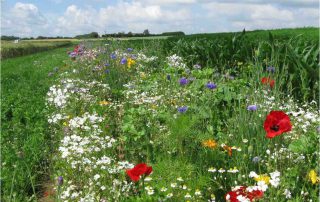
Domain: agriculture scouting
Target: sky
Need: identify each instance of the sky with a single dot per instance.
(32, 18)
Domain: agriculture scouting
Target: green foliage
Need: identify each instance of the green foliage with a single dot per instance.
(25, 139)
(10, 50)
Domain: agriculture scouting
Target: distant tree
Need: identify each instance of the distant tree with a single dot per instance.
(146, 32)
(94, 35)
(8, 38)
(179, 33)
(129, 34)
(42, 37)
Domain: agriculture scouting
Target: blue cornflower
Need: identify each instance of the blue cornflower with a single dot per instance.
(271, 69)
(113, 56)
(107, 71)
(129, 49)
(123, 61)
(60, 180)
(107, 64)
(252, 108)
(211, 85)
(182, 109)
(183, 81)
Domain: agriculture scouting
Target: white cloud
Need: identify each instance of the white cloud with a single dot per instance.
(259, 16)
(23, 20)
(124, 16)
(190, 16)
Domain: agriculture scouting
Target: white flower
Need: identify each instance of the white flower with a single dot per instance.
(211, 169)
(197, 192)
(169, 195)
(163, 189)
(173, 185)
(287, 193)
(252, 174)
(275, 178)
(187, 195)
(242, 199)
(96, 177)
(221, 170)
(262, 186)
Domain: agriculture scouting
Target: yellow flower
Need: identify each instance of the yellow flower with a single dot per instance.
(264, 178)
(313, 177)
(210, 143)
(65, 123)
(130, 62)
(104, 102)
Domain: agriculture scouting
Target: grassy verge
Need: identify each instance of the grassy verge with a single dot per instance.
(11, 50)
(24, 134)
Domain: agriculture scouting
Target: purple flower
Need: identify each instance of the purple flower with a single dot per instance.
(73, 54)
(183, 81)
(129, 49)
(256, 159)
(211, 85)
(107, 71)
(123, 61)
(107, 65)
(113, 56)
(169, 77)
(182, 109)
(252, 108)
(60, 180)
(271, 69)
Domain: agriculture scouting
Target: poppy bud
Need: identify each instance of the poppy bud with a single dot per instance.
(250, 149)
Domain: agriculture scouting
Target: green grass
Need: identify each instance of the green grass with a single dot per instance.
(10, 49)
(25, 138)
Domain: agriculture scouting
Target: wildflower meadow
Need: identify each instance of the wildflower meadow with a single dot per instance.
(184, 119)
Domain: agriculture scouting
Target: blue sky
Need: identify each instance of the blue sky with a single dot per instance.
(69, 18)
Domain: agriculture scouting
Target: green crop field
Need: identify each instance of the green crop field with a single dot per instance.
(205, 117)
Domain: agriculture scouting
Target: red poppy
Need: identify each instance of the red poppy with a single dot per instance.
(139, 170)
(276, 123)
(255, 194)
(267, 80)
(243, 192)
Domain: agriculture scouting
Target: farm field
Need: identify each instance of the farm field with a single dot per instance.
(9, 49)
(217, 117)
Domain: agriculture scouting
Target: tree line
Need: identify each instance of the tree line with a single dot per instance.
(145, 33)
